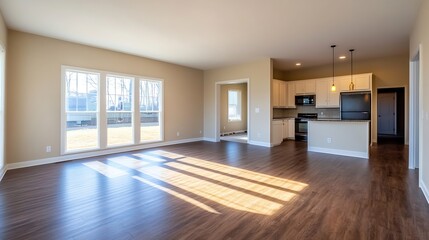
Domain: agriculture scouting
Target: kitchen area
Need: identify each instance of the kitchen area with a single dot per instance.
(332, 115)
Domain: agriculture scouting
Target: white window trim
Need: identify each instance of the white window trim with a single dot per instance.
(102, 111)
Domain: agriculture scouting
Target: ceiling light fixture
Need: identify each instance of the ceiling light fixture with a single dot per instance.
(333, 88)
(298, 64)
(342, 57)
(351, 85)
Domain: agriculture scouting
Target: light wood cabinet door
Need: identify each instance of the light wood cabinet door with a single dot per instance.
(304, 87)
(282, 94)
(285, 128)
(310, 86)
(291, 95)
(322, 85)
(299, 87)
(276, 93)
(325, 98)
(362, 82)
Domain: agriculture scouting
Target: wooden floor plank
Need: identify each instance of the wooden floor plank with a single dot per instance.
(317, 196)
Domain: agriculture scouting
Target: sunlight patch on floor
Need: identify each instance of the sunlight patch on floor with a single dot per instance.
(128, 162)
(178, 195)
(232, 187)
(259, 177)
(223, 195)
(149, 157)
(106, 170)
(254, 187)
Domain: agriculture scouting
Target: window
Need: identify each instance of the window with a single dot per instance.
(234, 105)
(81, 110)
(150, 110)
(119, 106)
(127, 111)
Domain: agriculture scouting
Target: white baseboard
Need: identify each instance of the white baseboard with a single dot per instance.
(3, 171)
(209, 139)
(257, 143)
(76, 156)
(424, 190)
(339, 152)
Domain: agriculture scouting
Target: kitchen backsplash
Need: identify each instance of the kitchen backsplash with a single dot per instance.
(293, 112)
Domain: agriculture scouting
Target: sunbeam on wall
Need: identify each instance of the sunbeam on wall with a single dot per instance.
(182, 177)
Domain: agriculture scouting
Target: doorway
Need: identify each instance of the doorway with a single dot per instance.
(232, 111)
(391, 115)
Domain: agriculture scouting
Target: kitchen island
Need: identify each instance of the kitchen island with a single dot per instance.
(340, 137)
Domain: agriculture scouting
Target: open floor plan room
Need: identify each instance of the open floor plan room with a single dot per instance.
(223, 190)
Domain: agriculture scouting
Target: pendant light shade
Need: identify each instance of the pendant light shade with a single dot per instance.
(333, 87)
(351, 85)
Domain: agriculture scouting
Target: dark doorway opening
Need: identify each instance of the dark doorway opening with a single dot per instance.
(391, 115)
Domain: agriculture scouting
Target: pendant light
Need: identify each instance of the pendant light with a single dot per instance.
(333, 88)
(351, 85)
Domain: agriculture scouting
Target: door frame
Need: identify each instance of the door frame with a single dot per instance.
(218, 105)
(416, 108)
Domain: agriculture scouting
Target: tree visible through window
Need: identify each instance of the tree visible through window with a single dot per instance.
(234, 105)
(81, 109)
(119, 98)
(103, 110)
(150, 110)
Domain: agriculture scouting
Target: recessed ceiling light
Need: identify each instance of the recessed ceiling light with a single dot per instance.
(342, 57)
(298, 64)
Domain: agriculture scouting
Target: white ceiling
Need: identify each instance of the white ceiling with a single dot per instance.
(207, 34)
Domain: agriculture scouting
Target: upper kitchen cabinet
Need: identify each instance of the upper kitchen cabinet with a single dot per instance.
(305, 87)
(325, 98)
(290, 94)
(362, 82)
(283, 94)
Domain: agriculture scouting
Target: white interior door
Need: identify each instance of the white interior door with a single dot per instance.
(386, 107)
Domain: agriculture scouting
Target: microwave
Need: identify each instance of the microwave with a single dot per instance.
(308, 100)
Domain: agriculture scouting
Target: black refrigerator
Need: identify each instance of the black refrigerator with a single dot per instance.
(355, 106)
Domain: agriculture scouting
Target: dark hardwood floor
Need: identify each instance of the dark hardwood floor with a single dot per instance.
(221, 190)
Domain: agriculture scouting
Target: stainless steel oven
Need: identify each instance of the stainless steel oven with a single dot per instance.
(301, 125)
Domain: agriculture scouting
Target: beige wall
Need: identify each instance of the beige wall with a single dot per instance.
(34, 96)
(420, 36)
(259, 74)
(387, 73)
(227, 126)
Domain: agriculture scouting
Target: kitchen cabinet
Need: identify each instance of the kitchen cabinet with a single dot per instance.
(276, 130)
(289, 128)
(276, 93)
(362, 82)
(279, 94)
(283, 94)
(325, 98)
(285, 128)
(303, 87)
(291, 94)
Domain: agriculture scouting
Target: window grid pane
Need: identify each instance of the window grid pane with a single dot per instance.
(150, 109)
(119, 98)
(81, 99)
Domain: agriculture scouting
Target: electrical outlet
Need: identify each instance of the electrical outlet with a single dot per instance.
(178, 134)
(201, 131)
(48, 149)
(329, 140)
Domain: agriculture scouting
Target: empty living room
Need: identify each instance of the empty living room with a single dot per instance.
(214, 119)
